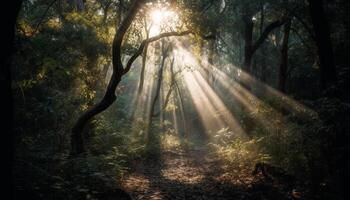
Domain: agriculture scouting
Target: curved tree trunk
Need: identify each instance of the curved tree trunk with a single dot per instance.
(250, 46)
(77, 141)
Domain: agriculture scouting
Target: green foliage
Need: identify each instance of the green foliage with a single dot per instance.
(60, 67)
(238, 151)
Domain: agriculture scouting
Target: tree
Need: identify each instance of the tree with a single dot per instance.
(323, 43)
(164, 54)
(144, 59)
(284, 57)
(250, 46)
(77, 141)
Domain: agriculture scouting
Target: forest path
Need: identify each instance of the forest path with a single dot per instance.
(194, 174)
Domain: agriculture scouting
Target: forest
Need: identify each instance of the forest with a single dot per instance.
(177, 99)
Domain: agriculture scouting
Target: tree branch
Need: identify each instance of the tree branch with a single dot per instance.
(77, 140)
(149, 40)
(43, 16)
(265, 33)
(172, 83)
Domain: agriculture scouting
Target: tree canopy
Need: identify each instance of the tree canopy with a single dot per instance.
(178, 97)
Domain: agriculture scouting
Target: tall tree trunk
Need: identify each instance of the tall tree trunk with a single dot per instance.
(202, 54)
(144, 58)
(284, 57)
(250, 46)
(328, 79)
(77, 141)
(142, 73)
(171, 86)
(141, 83)
(150, 135)
(211, 58)
(324, 44)
(160, 107)
(182, 110)
(263, 47)
(143, 67)
(248, 41)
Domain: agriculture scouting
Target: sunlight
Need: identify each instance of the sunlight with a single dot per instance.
(211, 109)
(284, 101)
(157, 16)
(161, 19)
(250, 102)
(178, 99)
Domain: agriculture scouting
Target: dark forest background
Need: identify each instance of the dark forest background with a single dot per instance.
(70, 93)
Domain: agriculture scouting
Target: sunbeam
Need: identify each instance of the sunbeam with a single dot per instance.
(162, 19)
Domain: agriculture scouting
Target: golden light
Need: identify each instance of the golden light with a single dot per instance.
(157, 16)
(211, 109)
(162, 19)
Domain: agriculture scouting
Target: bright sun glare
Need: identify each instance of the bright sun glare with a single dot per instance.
(162, 19)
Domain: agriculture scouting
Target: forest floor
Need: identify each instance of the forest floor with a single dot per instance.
(197, 174)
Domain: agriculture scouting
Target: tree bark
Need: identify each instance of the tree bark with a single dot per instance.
(143, 67)
(182, 110)
(144, 60)
(248, 40)
(172, 83)
(284, 57)
(250, 46)
(263, 47)
(323, 43)
(150, 135)
(211, 58)
(77, 141)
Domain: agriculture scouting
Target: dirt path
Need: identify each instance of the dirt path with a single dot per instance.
(195, 174)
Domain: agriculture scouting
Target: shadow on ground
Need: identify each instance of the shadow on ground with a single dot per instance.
(196, 174)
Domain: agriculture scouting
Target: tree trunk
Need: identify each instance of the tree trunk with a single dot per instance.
(150, 136)
(143, 67)
(144, 59)
(77, 141)
(251, 46)
(211, 59)
(284, 58)
(324, 44)
(182, 110)
(172, 83)
(263, 47)
(142, 80)
(248, 41)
